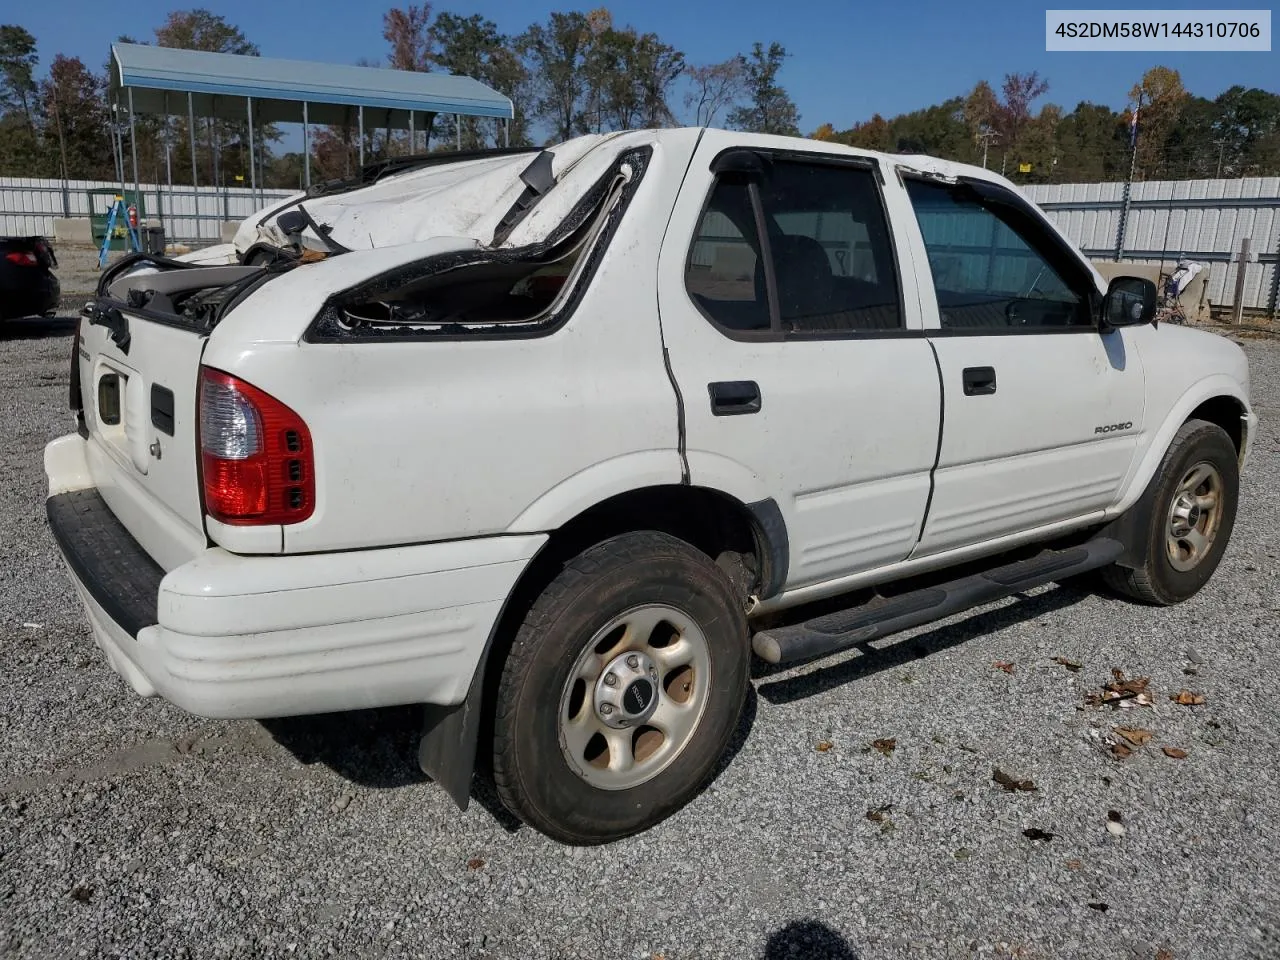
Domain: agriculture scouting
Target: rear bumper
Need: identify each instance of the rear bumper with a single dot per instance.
(36, 296)
(251, 637)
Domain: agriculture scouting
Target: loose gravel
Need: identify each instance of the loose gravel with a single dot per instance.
(131, 829)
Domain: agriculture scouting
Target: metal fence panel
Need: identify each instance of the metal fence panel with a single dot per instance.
(1201, 219)
(1204, 220)
(29, 206)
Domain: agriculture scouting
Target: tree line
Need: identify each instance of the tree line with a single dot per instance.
(1179, 135)
(575, 73)
(582, 72)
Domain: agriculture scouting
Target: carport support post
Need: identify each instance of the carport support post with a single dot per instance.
(506, 133)
(457, 125)
(360, 122)
(306, 147)
(191, 130)
(253, 170)
(133, 145)
(1237, 306)
(413, 139)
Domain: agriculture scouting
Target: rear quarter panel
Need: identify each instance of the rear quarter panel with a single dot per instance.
(422, 441)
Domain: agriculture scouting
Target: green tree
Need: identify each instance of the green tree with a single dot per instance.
(473, 47)
(19, 144)
(17, 71)
(1092, 145)
(225, 142)
(874, 134)
(769, 108)
(72, 114)
(556, 52)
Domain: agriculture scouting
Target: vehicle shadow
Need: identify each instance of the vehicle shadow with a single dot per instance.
(807, 940)
(872, 660)
(378, 749)
(37, 328)
(371, 748)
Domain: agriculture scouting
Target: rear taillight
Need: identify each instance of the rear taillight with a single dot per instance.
(255, 454)
(22, 258)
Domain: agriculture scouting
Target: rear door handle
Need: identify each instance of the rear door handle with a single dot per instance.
(979, 381)
(730, 398)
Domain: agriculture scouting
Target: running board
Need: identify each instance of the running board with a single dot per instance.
(835, 632)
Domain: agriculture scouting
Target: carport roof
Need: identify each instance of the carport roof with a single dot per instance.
(161, 77)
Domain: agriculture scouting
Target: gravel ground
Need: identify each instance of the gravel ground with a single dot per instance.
(131, 829)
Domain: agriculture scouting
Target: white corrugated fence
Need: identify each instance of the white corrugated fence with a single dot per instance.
(1204, 220)
(29, 207)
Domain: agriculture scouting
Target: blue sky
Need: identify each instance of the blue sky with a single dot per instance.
(849, 59)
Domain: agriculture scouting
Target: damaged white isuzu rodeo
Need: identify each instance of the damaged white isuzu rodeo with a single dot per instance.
(550, 440)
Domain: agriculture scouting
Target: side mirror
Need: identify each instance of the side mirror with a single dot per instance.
(1130, 302)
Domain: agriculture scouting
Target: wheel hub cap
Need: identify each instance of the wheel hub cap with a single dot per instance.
(634, 698)
(1195, 515)
(627, 692)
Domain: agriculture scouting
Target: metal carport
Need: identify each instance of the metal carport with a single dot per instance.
(226, 86)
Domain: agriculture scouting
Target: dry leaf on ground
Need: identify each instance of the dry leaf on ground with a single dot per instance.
(1073, 864)
(1069, 664)
(475, 863)
(1035, 833)
(1187, 699)
(1121, 690)
(823, 746)
(877, 814)
(1003, 665)
(1012, 784)
(1120, 750)
(1177, 753)
(1134, 735)
(885, 745)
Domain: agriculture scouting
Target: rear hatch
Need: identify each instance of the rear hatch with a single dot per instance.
(138, 360)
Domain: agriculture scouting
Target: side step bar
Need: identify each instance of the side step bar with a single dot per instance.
(835, 632)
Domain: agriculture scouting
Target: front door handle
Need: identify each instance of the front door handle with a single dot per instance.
(730, 398)
(979, 381)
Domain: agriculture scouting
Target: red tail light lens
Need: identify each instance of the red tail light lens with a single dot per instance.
(22, 258)
(255, 453)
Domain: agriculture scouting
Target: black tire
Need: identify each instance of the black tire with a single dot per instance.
(533, 776)
(1155, 580)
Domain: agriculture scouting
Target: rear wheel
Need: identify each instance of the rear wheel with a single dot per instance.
(621, 691)
(1192, 501)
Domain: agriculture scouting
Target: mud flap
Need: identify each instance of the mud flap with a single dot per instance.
(450, 736)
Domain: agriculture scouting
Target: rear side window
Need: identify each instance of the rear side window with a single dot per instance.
(813, 235)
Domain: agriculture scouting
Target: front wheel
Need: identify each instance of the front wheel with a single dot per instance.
(1192, 501)
(621, 690)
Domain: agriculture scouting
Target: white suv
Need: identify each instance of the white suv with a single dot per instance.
(534, 438)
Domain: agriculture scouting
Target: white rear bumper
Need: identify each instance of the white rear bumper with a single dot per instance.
(264, 636)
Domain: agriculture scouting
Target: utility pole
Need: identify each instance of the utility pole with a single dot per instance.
(986, 136)
(1128, 184)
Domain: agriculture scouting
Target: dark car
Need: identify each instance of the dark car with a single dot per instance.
(28, 286)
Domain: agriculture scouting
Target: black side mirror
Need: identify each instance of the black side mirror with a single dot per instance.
(1130, 302)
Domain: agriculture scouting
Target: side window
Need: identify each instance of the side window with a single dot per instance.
(985, 272)
(832, 259)
(723, 274)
